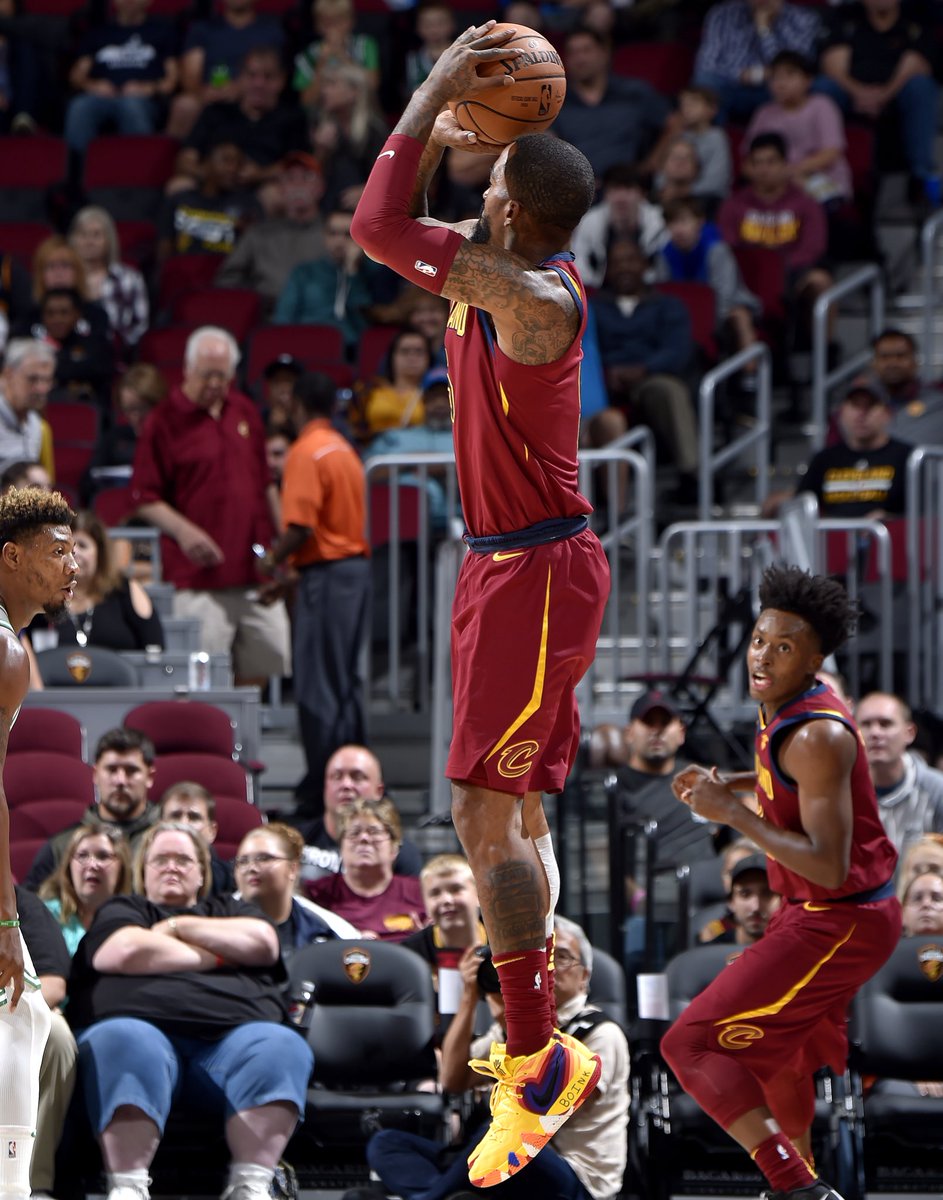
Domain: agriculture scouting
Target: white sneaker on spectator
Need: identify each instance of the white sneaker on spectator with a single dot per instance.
(247, 1189)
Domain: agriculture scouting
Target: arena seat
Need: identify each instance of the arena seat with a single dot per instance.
(22, 854)
(44, 729)
(220, 776)
(88, 666)
(374, 343)
(113, 505)
(184, 727)
(164, 348)
(44, 818)
(33, 776)
(235, 309)
(29, 167)
(317, 347)
(666, 66)
(182, 273)
(701, 302)
(20, 238)
(126, 174)
(235, 819)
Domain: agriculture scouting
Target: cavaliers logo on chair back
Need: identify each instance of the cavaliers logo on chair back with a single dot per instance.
(356, 964)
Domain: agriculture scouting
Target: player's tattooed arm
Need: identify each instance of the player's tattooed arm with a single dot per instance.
(534, 315)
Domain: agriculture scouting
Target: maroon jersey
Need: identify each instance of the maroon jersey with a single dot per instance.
(873, 857)
(515, 426)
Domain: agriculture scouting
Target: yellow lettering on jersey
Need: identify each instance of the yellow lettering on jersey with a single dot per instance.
(458, 315)
(764, 779)
(504, 398)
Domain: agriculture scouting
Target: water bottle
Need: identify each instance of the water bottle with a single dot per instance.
(301, 1006)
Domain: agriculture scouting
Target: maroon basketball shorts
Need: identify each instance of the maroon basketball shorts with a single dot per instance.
(524, 630)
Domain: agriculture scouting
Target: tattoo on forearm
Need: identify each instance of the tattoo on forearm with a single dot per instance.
(512, 904)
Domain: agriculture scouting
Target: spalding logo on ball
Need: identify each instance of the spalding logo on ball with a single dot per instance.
(530, 105)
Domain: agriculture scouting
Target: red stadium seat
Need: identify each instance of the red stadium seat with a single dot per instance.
(235, 309)
(381, 514)
(29, 166)
(130, 160)
(72, 421)
(700, 301)
(764, 272)
(136, 240)
(373, 346)
(22, 854)
(44, 818)
(184, 727)
(182, 273)
(46, 729)
(34, 775)
(20, 238)
(164, 348)
(113, 506)
(315, 346)
(235, 819)
(667, 66)
(220, 776)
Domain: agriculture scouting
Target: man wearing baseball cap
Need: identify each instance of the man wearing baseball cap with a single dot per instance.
(751, 904)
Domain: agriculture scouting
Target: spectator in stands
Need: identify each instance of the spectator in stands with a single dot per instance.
(910, 793)
(125, 73)
(85, 358)
(811, 126)
(257, 121)
(434, 435)
(714, 921)
(917, 405)
(422, 311)
(57, 1072)
(57, 265)
(171, 983)
(740, 40)
(95, 866)
(119, 288)
(879, 59)
(335, 43)
(213, 55)
(107, 608)
(694, 121)
(587, 1159)
(266, 871)
(28, 375)
(624, 212)
(773, 212)
(122, 773)
(278, 391)
(208, 218)
(751, 903)
(200, 476)
(25, 474)
(393, 400)
(367, 892)
(435, 29)
(646, 347)
(696, 253)
(679, 173)
(611, 119)
(352, 773)
(323, 517)
(190, 804)
(922, 905)
(270, 250)
(15, 295)
(924, 854)
(137, 393)
(278, 440)
(347, 134)
(333, 289)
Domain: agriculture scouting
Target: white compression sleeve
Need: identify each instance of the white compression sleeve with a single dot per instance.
(544, 845)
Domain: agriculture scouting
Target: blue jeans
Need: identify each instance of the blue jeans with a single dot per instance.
(408, 1165)
(87, 115)
(127, 1061)
(916, 105)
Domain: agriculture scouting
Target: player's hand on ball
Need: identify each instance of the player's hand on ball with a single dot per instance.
(455, 74)
(447, 132)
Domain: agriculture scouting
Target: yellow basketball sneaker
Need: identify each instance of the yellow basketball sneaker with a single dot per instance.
(533, 1096)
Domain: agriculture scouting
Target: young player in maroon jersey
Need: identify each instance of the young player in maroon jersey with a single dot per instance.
(746, 1048)
(530, 597)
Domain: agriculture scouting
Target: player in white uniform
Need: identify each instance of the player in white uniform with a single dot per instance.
(37, 571)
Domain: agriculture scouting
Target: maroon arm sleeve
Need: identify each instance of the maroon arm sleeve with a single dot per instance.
(385, 231)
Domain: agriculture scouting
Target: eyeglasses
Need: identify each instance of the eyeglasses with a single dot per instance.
(258, 860)
(99, 856)
(171, 860)
(563, 960)
(369, 833)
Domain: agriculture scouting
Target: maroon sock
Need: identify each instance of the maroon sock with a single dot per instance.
(523, 976)
(551, 995)
(782, 1164)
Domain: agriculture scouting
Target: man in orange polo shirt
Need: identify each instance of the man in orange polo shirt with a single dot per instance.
(323, 522)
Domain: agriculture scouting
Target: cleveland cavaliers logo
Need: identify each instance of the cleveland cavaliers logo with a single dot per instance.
(739, 1037)
(79, 666)
(930, 959)
(356, 964)
(517, 760)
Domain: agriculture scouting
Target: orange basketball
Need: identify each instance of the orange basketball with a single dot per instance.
(530, 105)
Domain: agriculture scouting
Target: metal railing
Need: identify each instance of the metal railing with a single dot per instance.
(924, 535)
(867, 278)
(929, 238)
(142, 533)
(758, 439)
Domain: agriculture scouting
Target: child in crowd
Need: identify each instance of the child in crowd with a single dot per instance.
(694, 122)
(335, 43)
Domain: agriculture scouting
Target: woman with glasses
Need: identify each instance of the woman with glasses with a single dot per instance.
(266, 870)
(366, 892)
(178, 997)
(96, 866)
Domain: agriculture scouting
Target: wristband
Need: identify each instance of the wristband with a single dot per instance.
(14, 924)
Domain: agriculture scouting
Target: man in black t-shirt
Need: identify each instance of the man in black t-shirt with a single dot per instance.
(878, 58)
(124, 73)
(209, 218)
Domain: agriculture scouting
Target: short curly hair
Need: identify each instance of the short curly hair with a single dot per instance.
(25, 511)
(821, 602)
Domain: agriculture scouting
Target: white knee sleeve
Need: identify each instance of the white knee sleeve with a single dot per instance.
(23, 1036)
(544, 845)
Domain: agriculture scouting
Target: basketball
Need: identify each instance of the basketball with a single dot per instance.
(530, 105)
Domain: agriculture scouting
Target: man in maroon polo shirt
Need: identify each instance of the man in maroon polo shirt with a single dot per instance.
(200, 476)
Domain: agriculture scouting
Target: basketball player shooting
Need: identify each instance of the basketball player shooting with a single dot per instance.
(530, 596)
(37, 572)
(746, 1048)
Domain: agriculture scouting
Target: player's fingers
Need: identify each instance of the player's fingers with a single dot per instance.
(15, 990)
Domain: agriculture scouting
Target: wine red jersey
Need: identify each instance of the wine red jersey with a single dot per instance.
(515, 426)
(873, 856)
